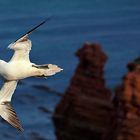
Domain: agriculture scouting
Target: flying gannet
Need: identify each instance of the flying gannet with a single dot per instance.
(20, 67)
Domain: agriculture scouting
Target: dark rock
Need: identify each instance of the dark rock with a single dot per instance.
(127, 106)
(85, 111)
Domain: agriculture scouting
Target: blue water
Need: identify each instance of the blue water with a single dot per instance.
(114, 24)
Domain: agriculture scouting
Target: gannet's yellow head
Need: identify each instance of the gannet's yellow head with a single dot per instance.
(21, 45)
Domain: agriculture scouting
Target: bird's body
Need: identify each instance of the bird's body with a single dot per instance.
(16, 70)
(19, 67)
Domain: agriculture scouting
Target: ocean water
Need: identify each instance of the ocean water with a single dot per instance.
(114, 24)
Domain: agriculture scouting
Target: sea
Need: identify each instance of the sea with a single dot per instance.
(113, 24)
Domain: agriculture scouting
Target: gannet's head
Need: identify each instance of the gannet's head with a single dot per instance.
(22, 45)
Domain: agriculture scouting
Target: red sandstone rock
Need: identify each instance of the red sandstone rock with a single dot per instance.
(127, 106)
(85, 110)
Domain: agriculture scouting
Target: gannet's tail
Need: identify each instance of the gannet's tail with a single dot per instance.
(6, 110)
(48, 69)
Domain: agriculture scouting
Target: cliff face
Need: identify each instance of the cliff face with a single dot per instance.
(127, 106)
(85, 110)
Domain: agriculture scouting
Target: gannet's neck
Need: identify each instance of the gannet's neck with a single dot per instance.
(20, 55)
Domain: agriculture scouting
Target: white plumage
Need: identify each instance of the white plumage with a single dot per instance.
(19, 67)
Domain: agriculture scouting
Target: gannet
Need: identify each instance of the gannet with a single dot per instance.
(20, 67)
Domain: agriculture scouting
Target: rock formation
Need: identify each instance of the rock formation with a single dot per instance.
(127, 106)
(85, 110)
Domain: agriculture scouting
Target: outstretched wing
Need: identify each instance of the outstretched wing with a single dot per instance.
(7, 91)
(25, 36)
(22, 45)
(8, 114)
(6, 110)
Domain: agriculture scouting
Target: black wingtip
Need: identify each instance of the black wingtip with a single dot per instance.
(38, 25)
(34, 28)
(21, 130)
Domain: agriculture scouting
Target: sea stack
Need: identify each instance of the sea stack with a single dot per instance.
(85, 111)
(127, 105)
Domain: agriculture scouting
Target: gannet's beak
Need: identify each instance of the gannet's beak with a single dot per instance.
(25, 36)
